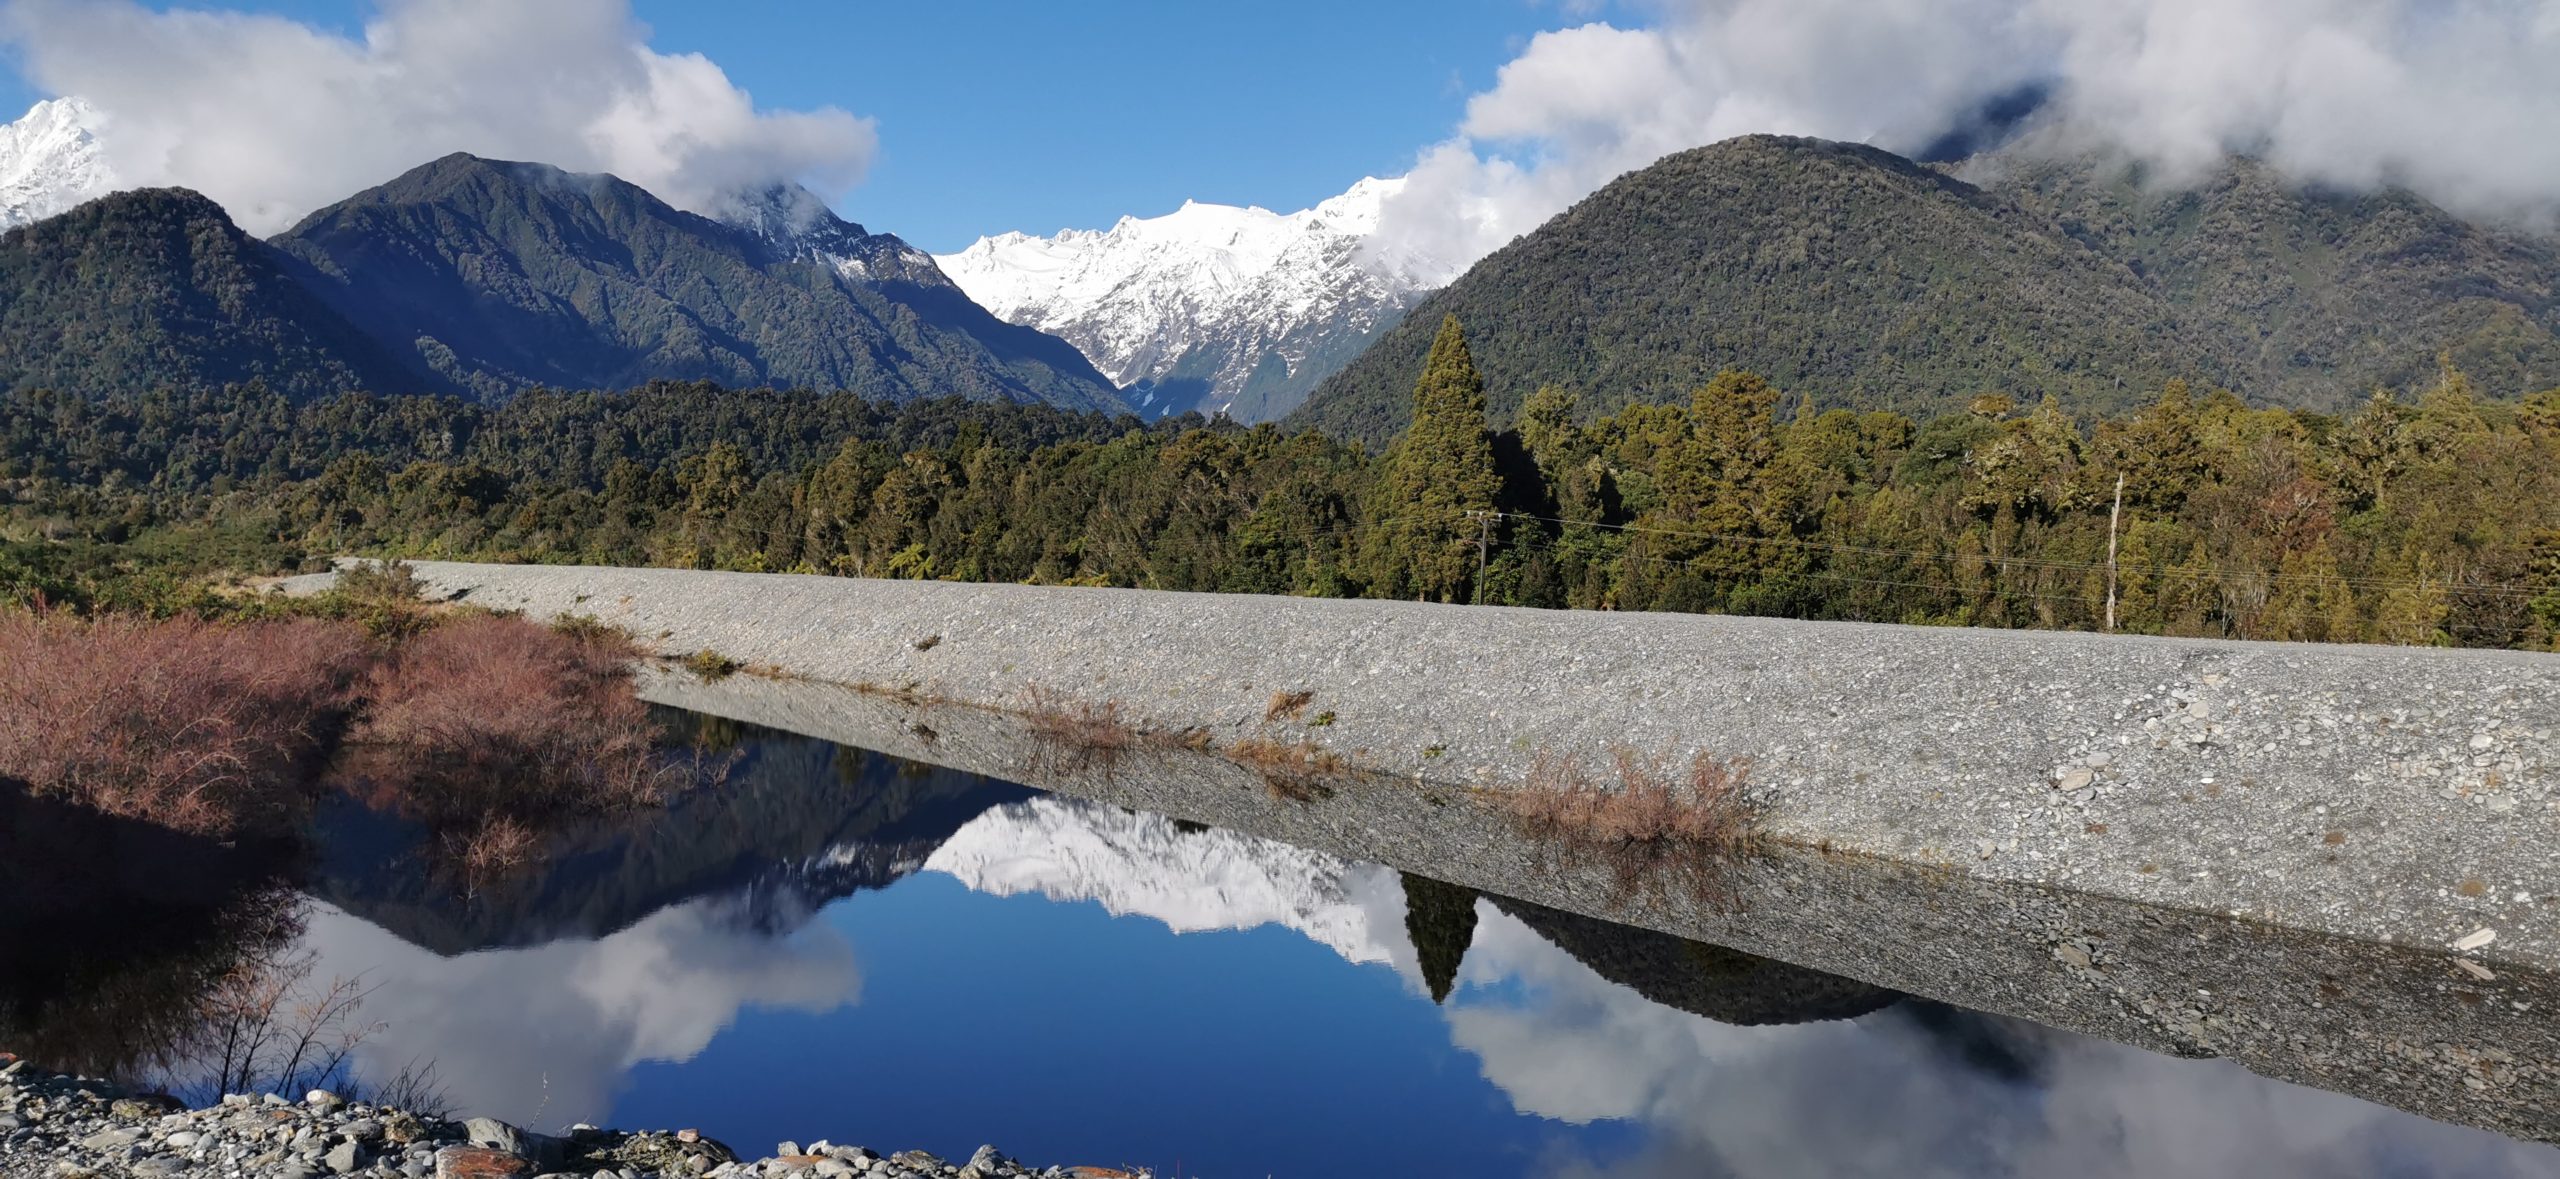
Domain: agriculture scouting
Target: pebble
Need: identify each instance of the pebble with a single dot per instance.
(92, 1129)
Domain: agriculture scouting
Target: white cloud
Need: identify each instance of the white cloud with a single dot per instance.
(1877, 1095)
(274, 118)
(547, 1035)
(2455, 98)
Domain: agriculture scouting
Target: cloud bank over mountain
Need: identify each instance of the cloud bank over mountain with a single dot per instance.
(2453, 98)
(274, 118)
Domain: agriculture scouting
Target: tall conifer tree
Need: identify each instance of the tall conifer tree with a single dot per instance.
(1436, 480)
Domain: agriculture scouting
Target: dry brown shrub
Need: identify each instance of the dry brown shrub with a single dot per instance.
(1070, 735)
(1656, 824)
(494, 715)
(203, 728)
(1287, 704)
(1302, 771)
(1190, 738)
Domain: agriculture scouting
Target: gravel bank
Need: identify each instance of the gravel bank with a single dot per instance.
(2400, 795)
(60, 1127)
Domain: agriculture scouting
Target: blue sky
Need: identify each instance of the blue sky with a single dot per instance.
(1039, 115)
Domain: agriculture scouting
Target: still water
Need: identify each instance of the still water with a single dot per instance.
(836, 944)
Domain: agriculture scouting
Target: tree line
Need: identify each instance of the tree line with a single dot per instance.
(2432, 520)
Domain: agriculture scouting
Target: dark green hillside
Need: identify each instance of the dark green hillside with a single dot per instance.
(2316, 296)
(1846, 272)
(156, 287)
(504, 276)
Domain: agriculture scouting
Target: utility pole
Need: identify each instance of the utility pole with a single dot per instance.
(2114, 514)
(1484, 540)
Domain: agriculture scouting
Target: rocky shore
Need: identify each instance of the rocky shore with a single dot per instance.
(54, 1126)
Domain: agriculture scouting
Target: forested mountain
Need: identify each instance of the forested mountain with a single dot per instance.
(1863, 280)
(1847, 272)
(2314, 296)
(156, 287)
(486, 278)
(498, 276)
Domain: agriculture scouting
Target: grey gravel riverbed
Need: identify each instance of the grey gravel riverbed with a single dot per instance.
(54, 1126)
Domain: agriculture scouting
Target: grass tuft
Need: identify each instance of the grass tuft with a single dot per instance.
(1301, 771)
(1286, 705)
(711, 665)
(1070, 735)
(1656, 822)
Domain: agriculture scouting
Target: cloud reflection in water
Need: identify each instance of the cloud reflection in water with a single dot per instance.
(545, 1036)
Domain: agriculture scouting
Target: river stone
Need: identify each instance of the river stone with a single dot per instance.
(111, 1139)
(138, 1108)
(479, 1162)
(344, 1157)
(494, 1134)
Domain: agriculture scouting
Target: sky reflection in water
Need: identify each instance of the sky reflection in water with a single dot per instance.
(1079, 984)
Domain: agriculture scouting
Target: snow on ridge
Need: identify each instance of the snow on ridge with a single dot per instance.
(1192, 881)
(50, 161)
(1208, 291)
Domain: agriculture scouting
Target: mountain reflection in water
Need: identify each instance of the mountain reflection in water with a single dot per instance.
(839, 944)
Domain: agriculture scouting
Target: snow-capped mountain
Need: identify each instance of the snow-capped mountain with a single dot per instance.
(50, 161)
(1210, 307)
(1192, 880)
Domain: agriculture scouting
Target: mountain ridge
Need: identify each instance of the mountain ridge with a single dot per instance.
(1860, 279)
(157, 286)
(503, 275)
(1838, 270)
(485, 278)
(1219, 308)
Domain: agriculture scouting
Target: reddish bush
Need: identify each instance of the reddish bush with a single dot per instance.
(1654, 823)
(204, 728)
(489, 716)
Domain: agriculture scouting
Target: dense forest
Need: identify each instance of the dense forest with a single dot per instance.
(2429, 520)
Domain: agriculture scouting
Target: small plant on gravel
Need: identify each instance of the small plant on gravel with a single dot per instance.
(1656, 821)
(587, 628)
(1070, 735)
(385, 597)
(1302, 771)
(711, 665)
(1286, 705)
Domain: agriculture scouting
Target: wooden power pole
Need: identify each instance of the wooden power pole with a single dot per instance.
(1484, 539)
(2114, 515)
